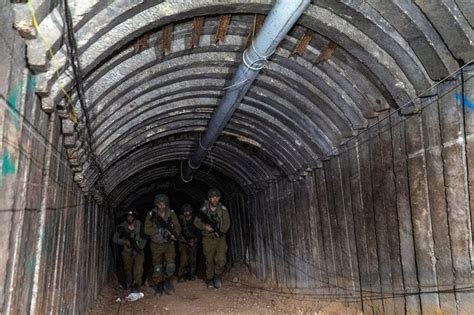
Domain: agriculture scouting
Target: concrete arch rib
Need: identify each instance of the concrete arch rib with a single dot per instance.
(417, 30)
(159, 171)
(279, 120)
(151, 155)
(160, 92)
(178, 76)
(139, 26)
(145, 84)
(139, 185)
(276, 157)
(282, 146)
(458, 34)
(370, 22)
(174, 172)
(384, 67)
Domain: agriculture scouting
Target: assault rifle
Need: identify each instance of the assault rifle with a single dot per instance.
(159, 221)
(137, 245)
(206, 220)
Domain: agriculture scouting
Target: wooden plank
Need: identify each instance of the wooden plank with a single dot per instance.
(303, 43)
(197, 30)
(166, 38)
(222, 28)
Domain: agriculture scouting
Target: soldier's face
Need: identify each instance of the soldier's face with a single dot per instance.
(188, 215)
(161, 206)
(130, 218)
(214, 201)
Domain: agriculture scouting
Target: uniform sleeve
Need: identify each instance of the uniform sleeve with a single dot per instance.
(226, 220)
(175, 221)
(116, 238)
(150, 228)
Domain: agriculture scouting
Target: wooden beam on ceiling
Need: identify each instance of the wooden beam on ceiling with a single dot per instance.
(198, 27)
(303, 42)
(326, 53)
(166, 36)
(222, 29)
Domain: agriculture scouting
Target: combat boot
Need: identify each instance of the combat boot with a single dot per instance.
(217, 281)
(190, 276)
(158, 289)
(210, 284)
(181, 278)
(168, 287)
(135, 288)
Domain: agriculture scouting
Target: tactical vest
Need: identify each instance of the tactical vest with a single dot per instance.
(216, 216)
(163, 236)
(188, 230)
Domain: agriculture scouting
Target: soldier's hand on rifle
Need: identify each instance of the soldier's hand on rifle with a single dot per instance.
(128, 244)
(208, 228)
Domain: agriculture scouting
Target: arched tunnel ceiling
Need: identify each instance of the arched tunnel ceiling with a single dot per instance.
(149, 94)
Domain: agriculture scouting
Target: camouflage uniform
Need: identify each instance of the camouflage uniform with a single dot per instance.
(214, 248)
(187, 261)
(162, 246)
(132, 258)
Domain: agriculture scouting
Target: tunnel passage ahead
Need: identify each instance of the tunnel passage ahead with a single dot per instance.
(347, 162)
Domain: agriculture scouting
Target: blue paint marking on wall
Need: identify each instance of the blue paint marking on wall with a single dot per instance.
(464, 101)
(30, 264)
(31, 83)
(12, 101)
(8, 166)
(16, 94)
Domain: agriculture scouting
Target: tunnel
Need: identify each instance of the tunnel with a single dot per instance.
(346, 161)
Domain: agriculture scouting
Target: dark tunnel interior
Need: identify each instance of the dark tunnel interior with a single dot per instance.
(340, 134)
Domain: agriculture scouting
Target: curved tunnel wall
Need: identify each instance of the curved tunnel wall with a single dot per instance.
(373, 219)
(388, 221)
(54, 257)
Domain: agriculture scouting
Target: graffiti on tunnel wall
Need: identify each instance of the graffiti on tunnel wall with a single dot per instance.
(11, 127)
(464, 101)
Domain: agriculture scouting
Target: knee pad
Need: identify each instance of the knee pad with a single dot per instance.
(170, 269)
(157, 269)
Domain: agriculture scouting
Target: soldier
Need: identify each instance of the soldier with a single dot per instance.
(128, 235)
(162, 225)
(187, 261)
(213, 219)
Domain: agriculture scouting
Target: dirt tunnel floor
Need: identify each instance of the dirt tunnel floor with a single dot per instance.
(240, 294)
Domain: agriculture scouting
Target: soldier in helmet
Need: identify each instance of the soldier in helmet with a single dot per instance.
(128, 235)
(187, 261)
(162, 225)
(214, 221)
